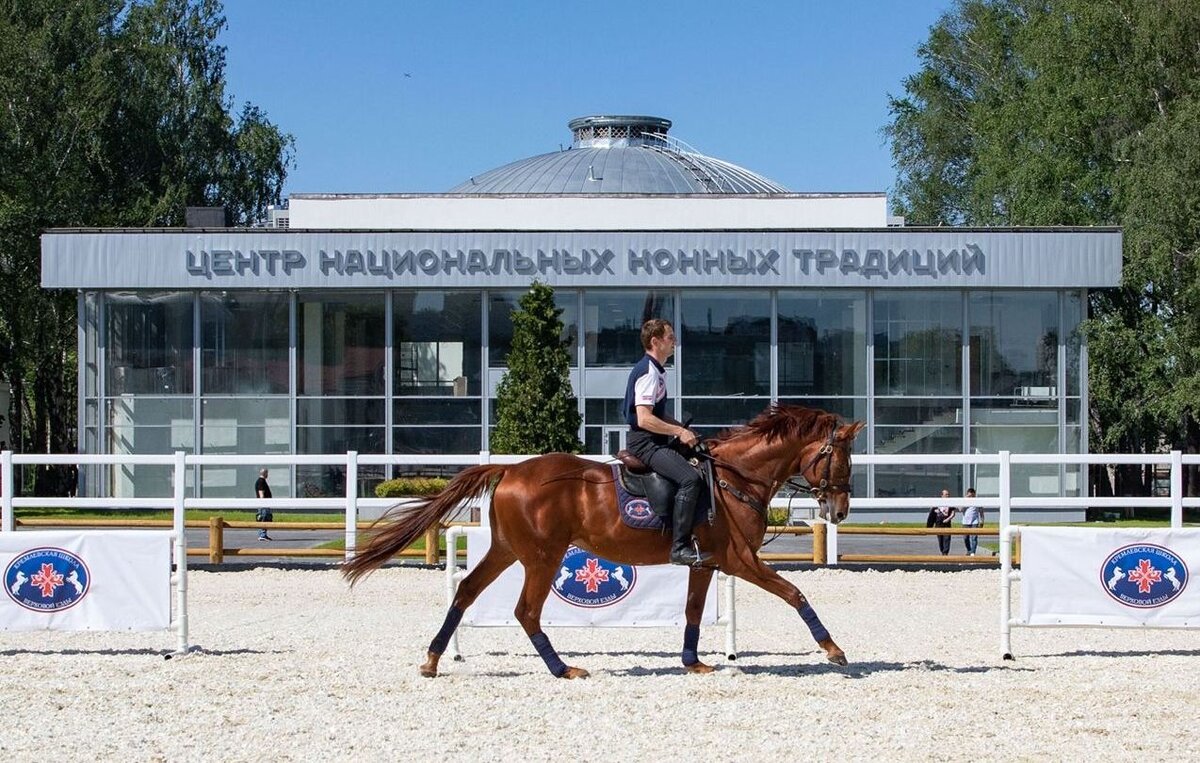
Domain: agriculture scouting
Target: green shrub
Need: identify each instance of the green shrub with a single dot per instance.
(777, 516)
(405, 487)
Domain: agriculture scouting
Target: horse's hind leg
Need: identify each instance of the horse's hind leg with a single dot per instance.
(538, 578)
(494, 562)
(698, 582)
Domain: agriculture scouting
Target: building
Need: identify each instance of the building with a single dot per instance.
(380, 323)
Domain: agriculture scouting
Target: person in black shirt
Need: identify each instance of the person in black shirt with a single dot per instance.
(263, 490)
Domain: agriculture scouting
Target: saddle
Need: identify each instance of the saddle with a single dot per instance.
(645, 498)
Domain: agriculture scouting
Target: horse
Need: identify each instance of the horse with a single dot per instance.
(545, 504)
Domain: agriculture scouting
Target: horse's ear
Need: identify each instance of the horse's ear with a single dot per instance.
(850, 431)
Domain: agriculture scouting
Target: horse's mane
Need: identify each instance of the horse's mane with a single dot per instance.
(781, 421)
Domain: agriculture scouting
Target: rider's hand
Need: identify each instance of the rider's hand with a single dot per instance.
(688, 438)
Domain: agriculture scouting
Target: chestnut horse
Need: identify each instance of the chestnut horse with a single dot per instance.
(543, 505)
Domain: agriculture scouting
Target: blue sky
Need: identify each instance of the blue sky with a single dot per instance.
(415, 96)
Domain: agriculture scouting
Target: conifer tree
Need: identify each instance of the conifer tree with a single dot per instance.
(536, 409)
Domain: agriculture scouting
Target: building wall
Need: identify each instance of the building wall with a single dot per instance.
(415, 371)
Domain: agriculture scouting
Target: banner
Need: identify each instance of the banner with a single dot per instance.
(589, 590)
(1118, 578)
(98, 580)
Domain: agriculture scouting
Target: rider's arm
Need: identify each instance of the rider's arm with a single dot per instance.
(651, 423)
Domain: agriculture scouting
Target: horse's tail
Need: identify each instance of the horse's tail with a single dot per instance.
(399, 533)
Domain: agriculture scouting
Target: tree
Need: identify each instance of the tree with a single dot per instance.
(536, 410)
(1071, 112)
(112, 113)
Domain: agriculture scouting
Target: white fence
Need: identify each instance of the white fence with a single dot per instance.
(1004, 501)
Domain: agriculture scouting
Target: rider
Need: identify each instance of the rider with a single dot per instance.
(651, 434)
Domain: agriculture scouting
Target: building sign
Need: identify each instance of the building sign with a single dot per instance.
(319, 259)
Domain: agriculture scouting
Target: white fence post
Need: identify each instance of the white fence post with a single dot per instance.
(1176, 490)
(181, 586)
(1005, 478)
(7, 522)
(351, 503)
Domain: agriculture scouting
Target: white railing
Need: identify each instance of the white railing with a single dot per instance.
(179, 503)
(351, 502)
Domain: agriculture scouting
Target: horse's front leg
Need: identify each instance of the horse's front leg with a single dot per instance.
(698, 581)
(769, 580)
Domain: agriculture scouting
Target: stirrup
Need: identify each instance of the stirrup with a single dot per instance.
(697, 558)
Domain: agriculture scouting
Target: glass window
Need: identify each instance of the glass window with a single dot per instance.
(907, 480)
(1073, 307)
(147, 426)
(91, 340)
(712, 414)
(336, 411)
(437, 343)
(917, 343)
(244, 342)
(1023, 434)
(822, 343)
(437, 440)
(613, 321)
(1014, 343)
(501, 306)
(433, 411)
(725, 343)
(149, 343)
(341, 344)
(245, 425)
(848, 408)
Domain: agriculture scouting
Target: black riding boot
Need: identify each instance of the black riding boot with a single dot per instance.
(683, 549)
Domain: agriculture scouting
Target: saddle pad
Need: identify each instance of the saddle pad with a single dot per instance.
(635, 510)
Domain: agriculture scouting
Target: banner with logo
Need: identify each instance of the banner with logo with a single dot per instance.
(99, 580)
(589, 590)
(1127, 577)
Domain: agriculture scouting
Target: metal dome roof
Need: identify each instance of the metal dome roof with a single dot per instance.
(620, 155)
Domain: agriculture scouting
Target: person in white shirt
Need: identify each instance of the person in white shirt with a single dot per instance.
(972, 517)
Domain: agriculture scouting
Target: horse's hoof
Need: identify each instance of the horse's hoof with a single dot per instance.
(698, 667)
(429, 667)
(576, 673)
(837, 658)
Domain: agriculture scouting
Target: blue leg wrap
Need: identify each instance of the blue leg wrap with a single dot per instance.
(819, 633)
(453, 616)
(691, 641)
(542, 644)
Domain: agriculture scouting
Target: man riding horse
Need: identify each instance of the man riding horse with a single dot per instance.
(653, 434)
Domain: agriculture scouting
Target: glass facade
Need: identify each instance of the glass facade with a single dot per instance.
(414, 371)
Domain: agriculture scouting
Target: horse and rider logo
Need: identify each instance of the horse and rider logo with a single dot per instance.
(1143, 575)
(586, 580)
(47, 580)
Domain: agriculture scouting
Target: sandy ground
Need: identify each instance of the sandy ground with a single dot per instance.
(291, 665)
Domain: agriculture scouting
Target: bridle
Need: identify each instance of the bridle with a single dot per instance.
(818, 491)
(823, 487)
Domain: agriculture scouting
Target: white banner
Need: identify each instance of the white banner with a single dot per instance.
(589, 590)
(1119, 578)
(98, 580)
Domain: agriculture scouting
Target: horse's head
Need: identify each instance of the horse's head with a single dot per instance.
(826, 467)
